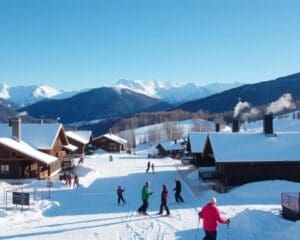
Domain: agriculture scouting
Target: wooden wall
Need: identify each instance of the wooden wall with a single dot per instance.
(233, 174)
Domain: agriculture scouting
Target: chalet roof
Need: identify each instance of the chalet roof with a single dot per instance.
(27, 150)
(197, 141)
(112, 137)
(39, 136)
(70, 147)
(169, 146)
(80, 136)
(255, 147)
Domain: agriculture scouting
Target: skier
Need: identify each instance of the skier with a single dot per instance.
(177, 190)
(152, 167)
(148, 166)
(120, 191)
(70, 180)
(81, 159)
(76, 181)
(111, 158)
(164, 200)
(211, 216)
(146, 192)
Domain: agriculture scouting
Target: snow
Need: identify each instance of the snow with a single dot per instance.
(45, 91)
(79, 136)
(170, 146)
(70, 147)
(4, 91)
(39, 136)
(113, 137)
(197, 141)
(24, 148)
(91, 211)
(251, 147)
(173, 92)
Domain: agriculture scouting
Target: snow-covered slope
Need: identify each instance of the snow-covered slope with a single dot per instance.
(174, 92)
(91, 210)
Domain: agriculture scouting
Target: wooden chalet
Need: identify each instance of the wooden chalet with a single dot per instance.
(47, 138)
(240, 158)
(195, 146)
(80, 139)
(20, 160)
(110, 143)
(170, 149)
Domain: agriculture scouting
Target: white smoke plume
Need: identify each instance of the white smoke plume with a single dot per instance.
(239, 107)
(22, 114)
(284, 102)
(252, 113)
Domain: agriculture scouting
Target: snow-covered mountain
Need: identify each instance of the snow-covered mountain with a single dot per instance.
(174, 92)
(25, 95)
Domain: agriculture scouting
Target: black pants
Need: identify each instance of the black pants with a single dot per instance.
(120, 198)
(164, 205)
(210, 235)
(143, 208)
(178, 197)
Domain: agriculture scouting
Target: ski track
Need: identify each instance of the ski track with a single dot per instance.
(149, 227)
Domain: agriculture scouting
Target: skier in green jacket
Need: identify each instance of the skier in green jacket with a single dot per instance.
(146, 192)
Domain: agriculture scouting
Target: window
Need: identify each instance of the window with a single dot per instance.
(4, 169)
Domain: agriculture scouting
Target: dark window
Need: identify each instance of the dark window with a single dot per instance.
(4, 169)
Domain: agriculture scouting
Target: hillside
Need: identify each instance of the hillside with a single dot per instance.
(256, 94)
(99, 103)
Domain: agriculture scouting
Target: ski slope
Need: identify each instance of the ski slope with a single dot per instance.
(91, 211)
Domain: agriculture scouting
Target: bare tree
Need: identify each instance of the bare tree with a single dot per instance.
(154, 134)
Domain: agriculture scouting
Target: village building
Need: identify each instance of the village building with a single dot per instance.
(49, 139)
(238, 158)
(170, 149)
(80, 139)
(195, 146)
(110, 143)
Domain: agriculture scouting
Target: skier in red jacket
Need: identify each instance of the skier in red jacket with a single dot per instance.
(211, 216)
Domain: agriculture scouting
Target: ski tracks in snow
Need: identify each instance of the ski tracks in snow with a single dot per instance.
(149, 227)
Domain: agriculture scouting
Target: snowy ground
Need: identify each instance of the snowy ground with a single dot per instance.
(91, 211)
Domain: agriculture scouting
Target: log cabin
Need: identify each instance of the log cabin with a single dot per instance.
(110, 143)
(80, 139)
(47, 138)
(242, 157)
(170, 149)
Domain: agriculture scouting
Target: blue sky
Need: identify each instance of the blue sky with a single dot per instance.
(72, 44)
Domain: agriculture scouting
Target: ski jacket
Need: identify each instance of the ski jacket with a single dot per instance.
(120, 191)
(211, 216)
(146, 193)
(164, 196)
(177, 186)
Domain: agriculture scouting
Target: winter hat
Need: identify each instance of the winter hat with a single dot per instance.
(213, 200)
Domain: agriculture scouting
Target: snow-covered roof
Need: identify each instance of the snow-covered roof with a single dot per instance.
(39, 136)
(80, 136)
(255, 147)
(197, 141)
(113, 137)
(168, 146)
(27, 150)
(70, 147)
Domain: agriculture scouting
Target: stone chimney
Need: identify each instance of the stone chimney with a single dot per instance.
(235, 125)
(15, 124)
(217, 126)
(268, 124)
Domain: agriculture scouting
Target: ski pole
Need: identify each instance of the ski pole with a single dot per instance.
(197, 232)
(228, 231)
